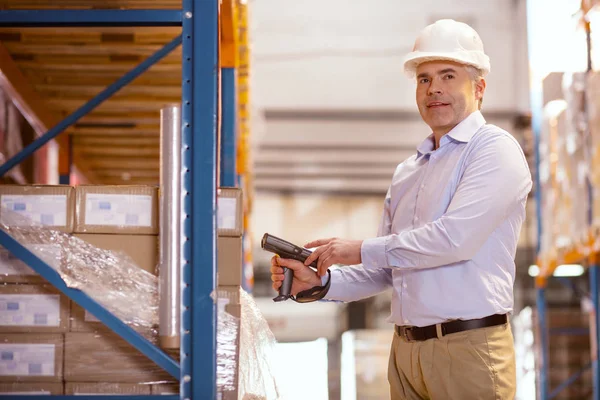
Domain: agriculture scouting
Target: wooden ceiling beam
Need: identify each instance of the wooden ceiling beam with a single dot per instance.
(118, 141)
(34, 108)
(65, 91)
(112, 133)
(109, 120)
(57, 66)
(103, 78)
(109, 151)
(127, 49)
(115, 105)
(124, 165)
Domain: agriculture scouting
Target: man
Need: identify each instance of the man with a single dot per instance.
(447, 239)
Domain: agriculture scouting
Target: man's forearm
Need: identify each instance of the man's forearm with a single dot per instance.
(354, 283)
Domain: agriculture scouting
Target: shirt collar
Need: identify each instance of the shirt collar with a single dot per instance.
(463, 132)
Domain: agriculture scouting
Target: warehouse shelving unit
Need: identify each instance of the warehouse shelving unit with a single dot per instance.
(200, 21)
(584, 252)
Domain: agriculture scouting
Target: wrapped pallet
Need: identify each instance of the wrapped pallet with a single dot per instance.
(563, 169)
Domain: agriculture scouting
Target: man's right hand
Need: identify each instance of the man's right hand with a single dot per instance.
(304, 277)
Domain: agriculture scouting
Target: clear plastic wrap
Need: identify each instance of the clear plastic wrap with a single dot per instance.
(593, 110)
(112, 279)
(257, 379)
(245, 344)
(563, 170)
(574, 156)
(228, 329)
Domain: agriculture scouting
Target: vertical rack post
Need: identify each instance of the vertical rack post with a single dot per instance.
(543, 367)
(593, 277)
(200, 74)
(228, 59)
(229, 125)
(65, 161)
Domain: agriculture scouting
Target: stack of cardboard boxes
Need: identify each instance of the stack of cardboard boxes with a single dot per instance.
(34, 317)
(50, 345)
(123, 219)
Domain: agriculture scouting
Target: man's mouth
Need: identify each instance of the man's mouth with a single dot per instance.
(436, 104)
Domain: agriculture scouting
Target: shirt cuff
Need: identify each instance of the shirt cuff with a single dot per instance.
(329, 296)
(373, 254)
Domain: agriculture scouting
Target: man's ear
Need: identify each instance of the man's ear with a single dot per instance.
(480, 88)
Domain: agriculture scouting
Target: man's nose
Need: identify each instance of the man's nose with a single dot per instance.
(434, 88)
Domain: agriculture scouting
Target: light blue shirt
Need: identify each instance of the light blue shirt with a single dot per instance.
(449, 231)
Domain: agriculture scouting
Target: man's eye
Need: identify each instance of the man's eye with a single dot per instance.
(423, 80)
(449, 76)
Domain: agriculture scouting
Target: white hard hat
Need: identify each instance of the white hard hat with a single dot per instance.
(449, 40)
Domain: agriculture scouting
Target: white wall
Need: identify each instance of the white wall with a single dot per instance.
(348, 53)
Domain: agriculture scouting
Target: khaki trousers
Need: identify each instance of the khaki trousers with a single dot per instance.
(478, 364)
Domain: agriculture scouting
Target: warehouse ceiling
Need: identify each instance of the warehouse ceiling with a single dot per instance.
(119, 141)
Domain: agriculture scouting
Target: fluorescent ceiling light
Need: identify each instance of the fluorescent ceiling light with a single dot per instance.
(561, 270)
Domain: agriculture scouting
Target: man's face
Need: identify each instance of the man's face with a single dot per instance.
(446, 94)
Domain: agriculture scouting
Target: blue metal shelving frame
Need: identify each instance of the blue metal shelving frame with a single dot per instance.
(200, 76)
(229, 128)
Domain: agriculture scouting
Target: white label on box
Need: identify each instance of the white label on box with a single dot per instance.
(227, 213)
(118, 209)
(47, 209)
(41, 310)
(11, 265)
(89, 317)
(20, 359)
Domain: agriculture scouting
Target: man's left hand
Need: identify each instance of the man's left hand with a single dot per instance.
(334, 251)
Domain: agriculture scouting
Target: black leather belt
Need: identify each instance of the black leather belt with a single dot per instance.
(414, 333)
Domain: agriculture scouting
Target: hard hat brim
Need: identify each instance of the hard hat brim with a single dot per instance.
(414, 59)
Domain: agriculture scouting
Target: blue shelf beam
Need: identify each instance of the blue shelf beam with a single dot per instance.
(90, 397)
(64, 171)
(229, 128)
(200, 109)
(89, 106)
(82, 299)
(594, 287)
(569, 381)
(543, 367)
(89, 18)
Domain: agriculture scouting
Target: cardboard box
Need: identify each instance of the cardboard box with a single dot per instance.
(142, 249)
(116, 209)
(31, 388)
(33, 309)
(168, 388)
(48, 205)
(230, 212)
(13, 270)
(105, 357)
(229, 261)
(31, 357)
(84, 388)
